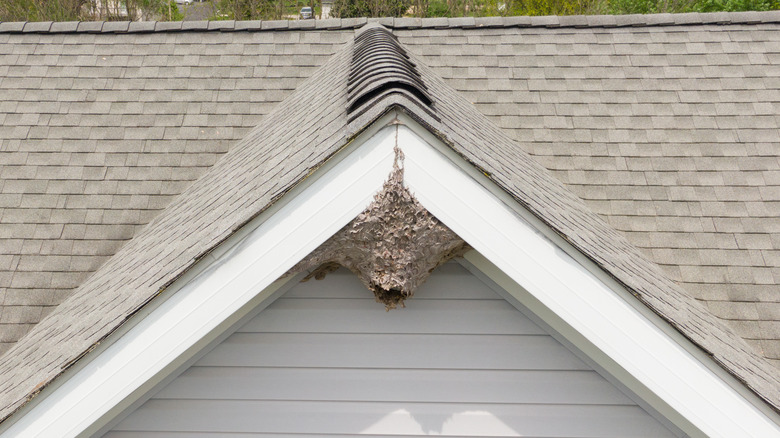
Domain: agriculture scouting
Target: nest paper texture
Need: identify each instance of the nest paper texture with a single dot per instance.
(393, 246)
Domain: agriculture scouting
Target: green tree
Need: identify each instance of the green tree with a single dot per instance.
(73, 10)
(70, 10)
(736, 5)
(370, 8)
(164, 10)
(168, 10)
(251, 9)
(41, 10)
(678, 6)
(555, 7)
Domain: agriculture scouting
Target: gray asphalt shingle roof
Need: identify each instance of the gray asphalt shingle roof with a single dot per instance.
(666, 126)
(671, 136)
(98, 136)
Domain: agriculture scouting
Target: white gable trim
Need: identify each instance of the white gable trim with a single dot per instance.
(585, 310)
(241, 276)
(573, 301)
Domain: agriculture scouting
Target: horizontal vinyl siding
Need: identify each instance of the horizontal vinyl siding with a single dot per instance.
(351, 350)
(396, 385)
(401, 418)
(322, 315)
(325, 359)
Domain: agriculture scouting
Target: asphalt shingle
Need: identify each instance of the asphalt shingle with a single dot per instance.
(676, 128)
(665, 126)
(56, 176)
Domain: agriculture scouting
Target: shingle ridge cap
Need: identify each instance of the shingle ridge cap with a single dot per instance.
(549, 21)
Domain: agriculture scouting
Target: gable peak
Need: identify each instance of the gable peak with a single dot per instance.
(380, 67)
(393, 246)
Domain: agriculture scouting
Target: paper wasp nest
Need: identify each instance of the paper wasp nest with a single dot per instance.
(393, 246)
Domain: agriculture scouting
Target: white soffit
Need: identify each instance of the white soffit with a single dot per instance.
(595, 318)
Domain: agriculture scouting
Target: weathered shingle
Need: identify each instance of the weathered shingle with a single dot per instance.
(90, 165)
(681, 136)
(670, 134)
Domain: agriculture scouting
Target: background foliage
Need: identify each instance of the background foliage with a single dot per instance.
(255, 9)
(72, 10)
(479, 8)
(67, 10)
(372, 8)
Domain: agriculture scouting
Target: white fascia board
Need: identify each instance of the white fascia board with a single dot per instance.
(244, 273)
(589, 265)
(586, 311)
(242, 277)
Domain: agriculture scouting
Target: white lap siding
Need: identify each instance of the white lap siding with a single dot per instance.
(325, 359)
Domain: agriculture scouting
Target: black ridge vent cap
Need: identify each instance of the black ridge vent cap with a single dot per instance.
(380, 65)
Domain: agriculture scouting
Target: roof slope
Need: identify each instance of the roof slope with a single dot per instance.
(544, 115)
(481, 142)
(282, 150)
(672, 134)
(665, 124)
(99, 133)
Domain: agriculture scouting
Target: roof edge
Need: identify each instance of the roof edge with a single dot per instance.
(551, 21)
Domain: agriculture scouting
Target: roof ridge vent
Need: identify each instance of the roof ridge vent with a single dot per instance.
(381, 67)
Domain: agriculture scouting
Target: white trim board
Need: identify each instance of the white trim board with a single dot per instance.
(510, 298)
(191, 318)
(577, 304)
(585, 310)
